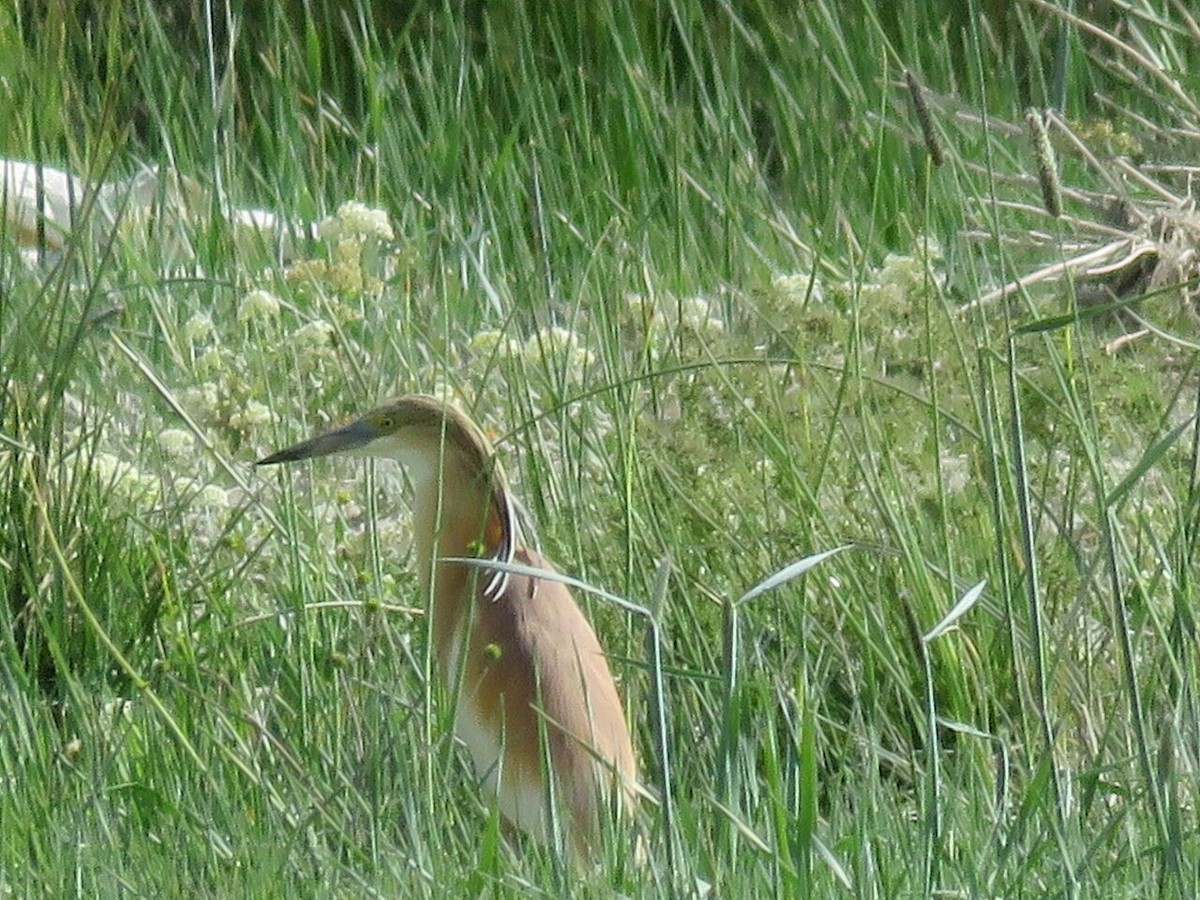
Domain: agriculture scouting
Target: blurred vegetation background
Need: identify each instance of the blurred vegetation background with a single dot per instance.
(694, 267)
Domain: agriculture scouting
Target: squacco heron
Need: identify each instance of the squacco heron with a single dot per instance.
(538, 707)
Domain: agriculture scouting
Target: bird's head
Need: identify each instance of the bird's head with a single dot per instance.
(447, 455)
(408, 429)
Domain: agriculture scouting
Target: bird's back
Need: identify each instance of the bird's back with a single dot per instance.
(535, 681)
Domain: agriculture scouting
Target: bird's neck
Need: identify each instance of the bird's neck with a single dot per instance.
(454, 515)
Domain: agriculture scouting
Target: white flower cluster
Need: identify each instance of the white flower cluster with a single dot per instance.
(695, 314)
(203, 400)
(213, 497)
(177, 443)
(901, 270)
(199, 328)
(356, 220)
(798, 288)
(689, 313)
(551, 346)
(556, 343)
(313, 337)
(253, 415)
(258, 306)
(124, 478)
(492, 343)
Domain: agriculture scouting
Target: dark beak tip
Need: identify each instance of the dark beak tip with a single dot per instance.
(274, 459)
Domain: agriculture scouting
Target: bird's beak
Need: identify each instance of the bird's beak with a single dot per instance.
(346, 439)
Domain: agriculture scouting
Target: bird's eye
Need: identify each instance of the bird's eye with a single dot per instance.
(385, 422)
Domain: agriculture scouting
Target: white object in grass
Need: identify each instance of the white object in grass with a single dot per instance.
(43, 206)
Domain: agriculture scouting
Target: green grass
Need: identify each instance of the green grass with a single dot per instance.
(213, 679)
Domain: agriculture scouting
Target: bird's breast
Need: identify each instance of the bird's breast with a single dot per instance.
(517, 788)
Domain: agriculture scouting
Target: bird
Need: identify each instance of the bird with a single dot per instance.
(538, 709)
